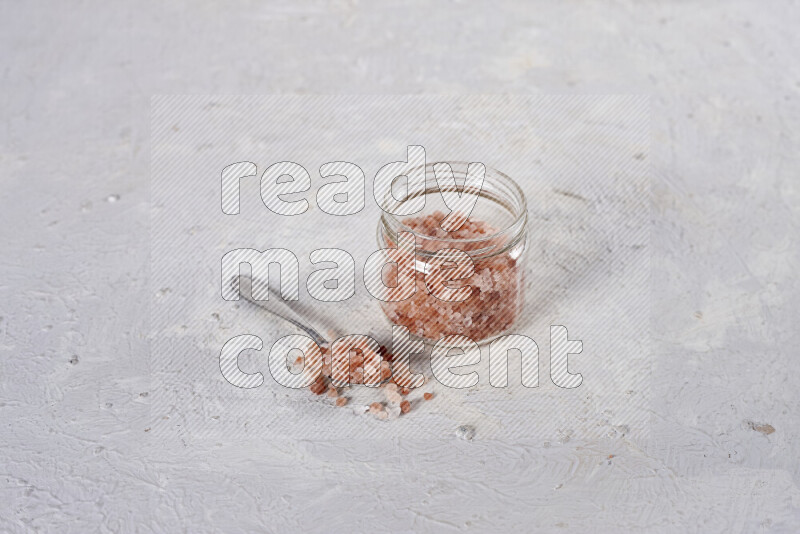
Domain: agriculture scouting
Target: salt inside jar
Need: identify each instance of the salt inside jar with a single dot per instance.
(494, 235)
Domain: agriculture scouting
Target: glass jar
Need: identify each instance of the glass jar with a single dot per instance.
(495, 238)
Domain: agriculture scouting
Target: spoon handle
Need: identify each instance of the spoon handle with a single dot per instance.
(276, 306)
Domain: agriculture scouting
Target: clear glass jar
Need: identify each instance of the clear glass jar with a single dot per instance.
(495, 238)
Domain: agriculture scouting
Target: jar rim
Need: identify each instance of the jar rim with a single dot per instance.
(392, 223)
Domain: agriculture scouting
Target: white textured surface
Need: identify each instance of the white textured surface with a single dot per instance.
(725, 88)
(581, 162)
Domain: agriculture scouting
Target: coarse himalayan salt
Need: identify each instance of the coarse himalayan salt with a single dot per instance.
(376, 409)
(318, 387)
(490, 309)
(427, 396)
(393, 396)
(341, 369)
(328, 368)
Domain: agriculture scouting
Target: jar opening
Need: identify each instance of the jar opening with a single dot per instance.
(500, 206)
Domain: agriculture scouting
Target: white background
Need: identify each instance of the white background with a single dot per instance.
(75, 395)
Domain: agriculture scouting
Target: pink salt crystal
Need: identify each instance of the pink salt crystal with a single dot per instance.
(332, 393)
(375, 408)
(386, 370)
(495, 299)
(405, 406)
(393, 396)
(341, 401)
(318, 387)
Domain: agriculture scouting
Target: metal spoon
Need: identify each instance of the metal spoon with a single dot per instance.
(278, 307)
(281, 308)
